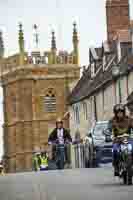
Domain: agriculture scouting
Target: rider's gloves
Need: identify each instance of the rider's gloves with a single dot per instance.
(49, 143)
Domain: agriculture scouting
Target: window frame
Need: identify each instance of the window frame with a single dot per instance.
(49, 101)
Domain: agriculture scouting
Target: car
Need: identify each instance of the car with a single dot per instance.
(101, 144)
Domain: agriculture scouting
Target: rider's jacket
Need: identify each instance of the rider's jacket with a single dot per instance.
(54, 135)
(119, 127)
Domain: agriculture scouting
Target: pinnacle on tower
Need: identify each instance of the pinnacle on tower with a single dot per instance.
(36, 35)
(53, 41)
(75, 44)
(53, 57)
(21, 38)
(1, 45)
(75, 35)
(21, 44)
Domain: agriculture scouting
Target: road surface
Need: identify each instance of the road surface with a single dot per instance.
(78, 184)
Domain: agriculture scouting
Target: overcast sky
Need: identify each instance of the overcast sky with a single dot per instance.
(53, 14)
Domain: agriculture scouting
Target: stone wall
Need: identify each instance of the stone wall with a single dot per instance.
(27, 124)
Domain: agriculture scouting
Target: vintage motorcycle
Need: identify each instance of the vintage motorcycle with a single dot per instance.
(125, 159)
(60, 153)
(60, 156)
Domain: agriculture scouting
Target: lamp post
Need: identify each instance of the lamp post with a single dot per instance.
(117, 73)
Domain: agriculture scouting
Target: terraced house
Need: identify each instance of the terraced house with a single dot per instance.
(108, 79)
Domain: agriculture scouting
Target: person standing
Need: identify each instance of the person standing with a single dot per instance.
(44, 162)
(36, 161)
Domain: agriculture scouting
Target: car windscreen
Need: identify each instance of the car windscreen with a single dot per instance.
(99, 128)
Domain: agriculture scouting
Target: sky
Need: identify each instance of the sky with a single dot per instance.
(48, 15)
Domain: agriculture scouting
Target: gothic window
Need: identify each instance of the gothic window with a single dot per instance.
(50, 101)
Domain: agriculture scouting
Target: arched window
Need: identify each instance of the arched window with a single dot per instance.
(50, 101)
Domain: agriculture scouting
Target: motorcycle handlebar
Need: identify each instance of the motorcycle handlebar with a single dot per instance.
(57, 143)
(120, 137)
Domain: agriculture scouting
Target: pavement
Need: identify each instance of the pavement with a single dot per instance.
(77, 184)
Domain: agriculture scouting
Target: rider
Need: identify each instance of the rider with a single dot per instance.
(61, 135)
(119, 125)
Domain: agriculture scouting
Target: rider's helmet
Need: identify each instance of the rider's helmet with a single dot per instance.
(59, 120)
(119, 107)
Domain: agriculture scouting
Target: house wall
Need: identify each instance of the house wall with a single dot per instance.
(106, 98)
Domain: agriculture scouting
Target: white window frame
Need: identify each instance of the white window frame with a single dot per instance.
(104, 62)
(93, 70)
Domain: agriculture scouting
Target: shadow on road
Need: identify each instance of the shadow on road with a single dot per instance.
(108, 185)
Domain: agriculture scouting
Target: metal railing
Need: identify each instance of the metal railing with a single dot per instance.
(79, 155)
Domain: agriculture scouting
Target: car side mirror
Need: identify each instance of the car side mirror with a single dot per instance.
(107, 134)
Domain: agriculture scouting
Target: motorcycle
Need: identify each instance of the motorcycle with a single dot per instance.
(125, 159)
(60, 154)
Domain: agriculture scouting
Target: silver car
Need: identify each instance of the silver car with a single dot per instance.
(100, 144)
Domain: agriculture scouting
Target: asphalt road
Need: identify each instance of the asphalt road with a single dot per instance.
(83, 184)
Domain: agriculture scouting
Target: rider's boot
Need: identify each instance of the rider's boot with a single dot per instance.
(116, 172)
(116, 168)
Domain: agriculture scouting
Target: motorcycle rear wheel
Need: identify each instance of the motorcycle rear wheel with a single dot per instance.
(127, 175)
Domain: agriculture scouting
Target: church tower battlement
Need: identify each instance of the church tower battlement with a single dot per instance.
(53, 56)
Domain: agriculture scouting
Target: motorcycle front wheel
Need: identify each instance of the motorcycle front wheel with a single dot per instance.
(129, 170)
(127, 175)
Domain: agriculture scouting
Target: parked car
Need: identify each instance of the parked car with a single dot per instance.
(101, 144)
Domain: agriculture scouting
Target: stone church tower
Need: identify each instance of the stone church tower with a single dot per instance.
(35, 92)
(118, 17)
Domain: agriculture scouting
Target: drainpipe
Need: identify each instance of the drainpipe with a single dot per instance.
(95, 109)
(131, 32)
